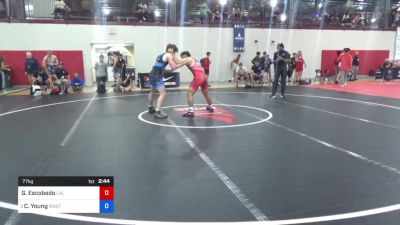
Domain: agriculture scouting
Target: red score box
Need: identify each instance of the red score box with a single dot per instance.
(106, 193)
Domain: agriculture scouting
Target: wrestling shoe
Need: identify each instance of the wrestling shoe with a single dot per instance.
(160, 115)
(210, 108)
(188, 114)
(151, 110)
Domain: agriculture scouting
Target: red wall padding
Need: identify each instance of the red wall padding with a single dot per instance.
(369, 60)
(73, 62)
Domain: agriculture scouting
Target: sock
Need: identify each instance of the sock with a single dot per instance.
(191, 109)
(157, 110)
(150, 106)
(211, 106)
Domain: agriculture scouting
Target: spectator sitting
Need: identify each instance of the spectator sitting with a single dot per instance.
(216, 15)
(236, 13)
(241, 73)
(257, 73)
(60, 9)
(77, 83)
(41, 78)
(125, 81)
(388, 64)
(61, 79)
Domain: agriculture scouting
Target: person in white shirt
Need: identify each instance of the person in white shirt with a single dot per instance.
(241, 73)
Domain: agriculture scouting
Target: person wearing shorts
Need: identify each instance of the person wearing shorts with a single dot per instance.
(50, 63)
(42, 78)
(199, 81)
(242, 74)
(157, 80)
(300, 64)
(256, 73)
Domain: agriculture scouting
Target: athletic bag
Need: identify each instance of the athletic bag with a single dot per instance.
(36, 90)
(55, 91)
(101, 88)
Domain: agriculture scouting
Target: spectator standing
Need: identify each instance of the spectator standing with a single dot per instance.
(101, 70)
(356, 66)
(203, 12)
(268, 65)
(119, 66)
(139, 12)
(145, 12)
(205, 63)
(234, 64)
(151, 11)
(1, 72)
(31, 67)
(256, 58)
(281, 60)
(291, 67)
(337, 62)
(299, 67)
(263, 60)
(50, 63)
(346, 65)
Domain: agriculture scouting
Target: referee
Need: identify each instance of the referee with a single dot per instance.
(281, 60)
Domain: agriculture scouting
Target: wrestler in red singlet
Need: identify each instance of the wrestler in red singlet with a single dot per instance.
(199, 80)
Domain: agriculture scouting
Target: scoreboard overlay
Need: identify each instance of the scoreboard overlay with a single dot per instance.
(47, 194)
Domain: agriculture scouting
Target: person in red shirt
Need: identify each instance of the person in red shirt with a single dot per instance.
(346, 65)
(299, 67)
(205, 63)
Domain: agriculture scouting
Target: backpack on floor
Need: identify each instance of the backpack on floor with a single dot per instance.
(304, 82)
(101, 88)
(117, 88)
(36, 90)
(55, 91)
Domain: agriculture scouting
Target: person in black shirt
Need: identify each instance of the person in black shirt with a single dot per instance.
(356, 66)
(119, 66)
(61, 79)
(31, 67)
(256, 58)
(257, 73)
(263, 61)
(281, 60)
(42, 78)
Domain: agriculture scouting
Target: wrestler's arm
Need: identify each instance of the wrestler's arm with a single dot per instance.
(174, 65)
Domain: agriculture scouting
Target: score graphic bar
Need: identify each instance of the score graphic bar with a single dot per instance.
(66, 194)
